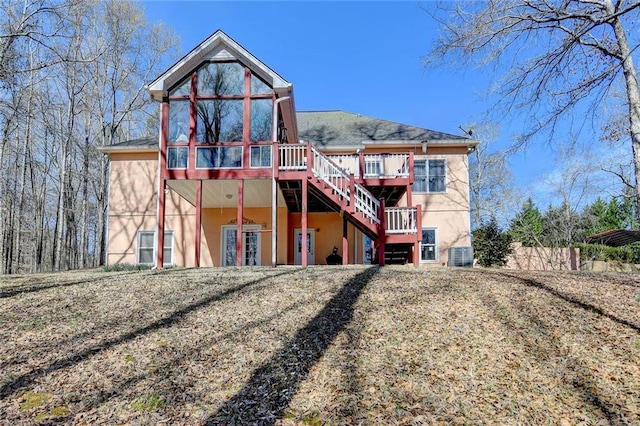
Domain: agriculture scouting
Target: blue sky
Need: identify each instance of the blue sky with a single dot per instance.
(364, 57)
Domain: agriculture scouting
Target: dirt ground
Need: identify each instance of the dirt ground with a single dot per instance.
(322, 345)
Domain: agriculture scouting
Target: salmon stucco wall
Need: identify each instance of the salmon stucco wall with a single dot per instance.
(328, 234)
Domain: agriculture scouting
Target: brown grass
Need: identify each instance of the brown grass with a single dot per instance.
(323, 345)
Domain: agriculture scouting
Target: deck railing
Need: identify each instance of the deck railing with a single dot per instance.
(375, 165)
(401, 220)
(292, 157)
(367, 204)
(330, 173)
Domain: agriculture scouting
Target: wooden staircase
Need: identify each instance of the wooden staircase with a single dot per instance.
(391, 227)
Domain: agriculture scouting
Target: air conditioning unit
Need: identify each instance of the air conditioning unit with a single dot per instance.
(461, 256)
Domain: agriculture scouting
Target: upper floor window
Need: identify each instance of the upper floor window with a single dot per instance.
(210, 106)
(430, 176)
(219, 79)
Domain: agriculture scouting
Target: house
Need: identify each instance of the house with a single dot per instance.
(238, 176)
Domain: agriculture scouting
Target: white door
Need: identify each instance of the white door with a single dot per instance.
(311, 246)
(250, 245)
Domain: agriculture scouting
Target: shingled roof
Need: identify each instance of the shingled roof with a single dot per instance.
(339, 130)
(345, 129)
(148, 143)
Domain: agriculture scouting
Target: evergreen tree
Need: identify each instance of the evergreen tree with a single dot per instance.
(491, 245)
(528, 225)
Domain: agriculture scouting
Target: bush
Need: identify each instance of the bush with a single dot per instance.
(118, 267)
(607, 254)
(491, 245)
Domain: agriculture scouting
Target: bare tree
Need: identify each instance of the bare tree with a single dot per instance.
(72, 75)
(490, 183)
(560, 56)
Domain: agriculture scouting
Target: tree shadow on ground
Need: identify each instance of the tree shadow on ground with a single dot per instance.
(268, 392)
(25, 380)
(573, 300)
(540, 341)
(32, 287)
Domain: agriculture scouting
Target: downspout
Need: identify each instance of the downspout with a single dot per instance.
(274, 189)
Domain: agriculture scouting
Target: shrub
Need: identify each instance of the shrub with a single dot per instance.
(491, 245)
(605, 253)
(125, 267)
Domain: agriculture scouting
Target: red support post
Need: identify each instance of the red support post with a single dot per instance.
(381, 234)
(416, 244)
(162, 188)
(345, 241)
(303, 225)
(361, 164)
(198, 222)
(239, 222)
(162, 183)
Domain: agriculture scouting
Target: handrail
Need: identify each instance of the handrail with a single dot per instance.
(330, 173)
(367, 204)
(401, 220)
(294, 157)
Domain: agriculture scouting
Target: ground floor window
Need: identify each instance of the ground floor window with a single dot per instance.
(147, 248)
(428, 246)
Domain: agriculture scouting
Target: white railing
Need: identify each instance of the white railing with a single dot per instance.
(386, 165)
(366, 204)
(330, 173)
(401, 220)
(292, 157)
(375, 165)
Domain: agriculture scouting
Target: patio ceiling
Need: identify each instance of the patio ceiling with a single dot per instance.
(224, 193)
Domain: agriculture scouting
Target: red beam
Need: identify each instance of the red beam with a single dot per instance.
(381, 233)
(345, 242)
(239, 221)
(303, 248)
(198, 221)
(161, 211)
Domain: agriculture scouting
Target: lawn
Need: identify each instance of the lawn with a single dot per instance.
(322, 345)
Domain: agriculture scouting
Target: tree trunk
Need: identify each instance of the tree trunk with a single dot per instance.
(633, 95)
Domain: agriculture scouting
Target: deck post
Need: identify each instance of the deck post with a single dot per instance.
(303, 243)
(416, 243)
(345, 241)
(381, 233)
(162, 196)
(239, 217)
(198, 222)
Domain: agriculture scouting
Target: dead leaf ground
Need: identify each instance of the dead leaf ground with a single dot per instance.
(322, 345)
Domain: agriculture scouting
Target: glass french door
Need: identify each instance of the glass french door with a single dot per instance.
(251, 240)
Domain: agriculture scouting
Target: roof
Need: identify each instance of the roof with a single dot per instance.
(614, 238)
(345, 129)
(146, 144)
(339, 130)
(222, 47)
